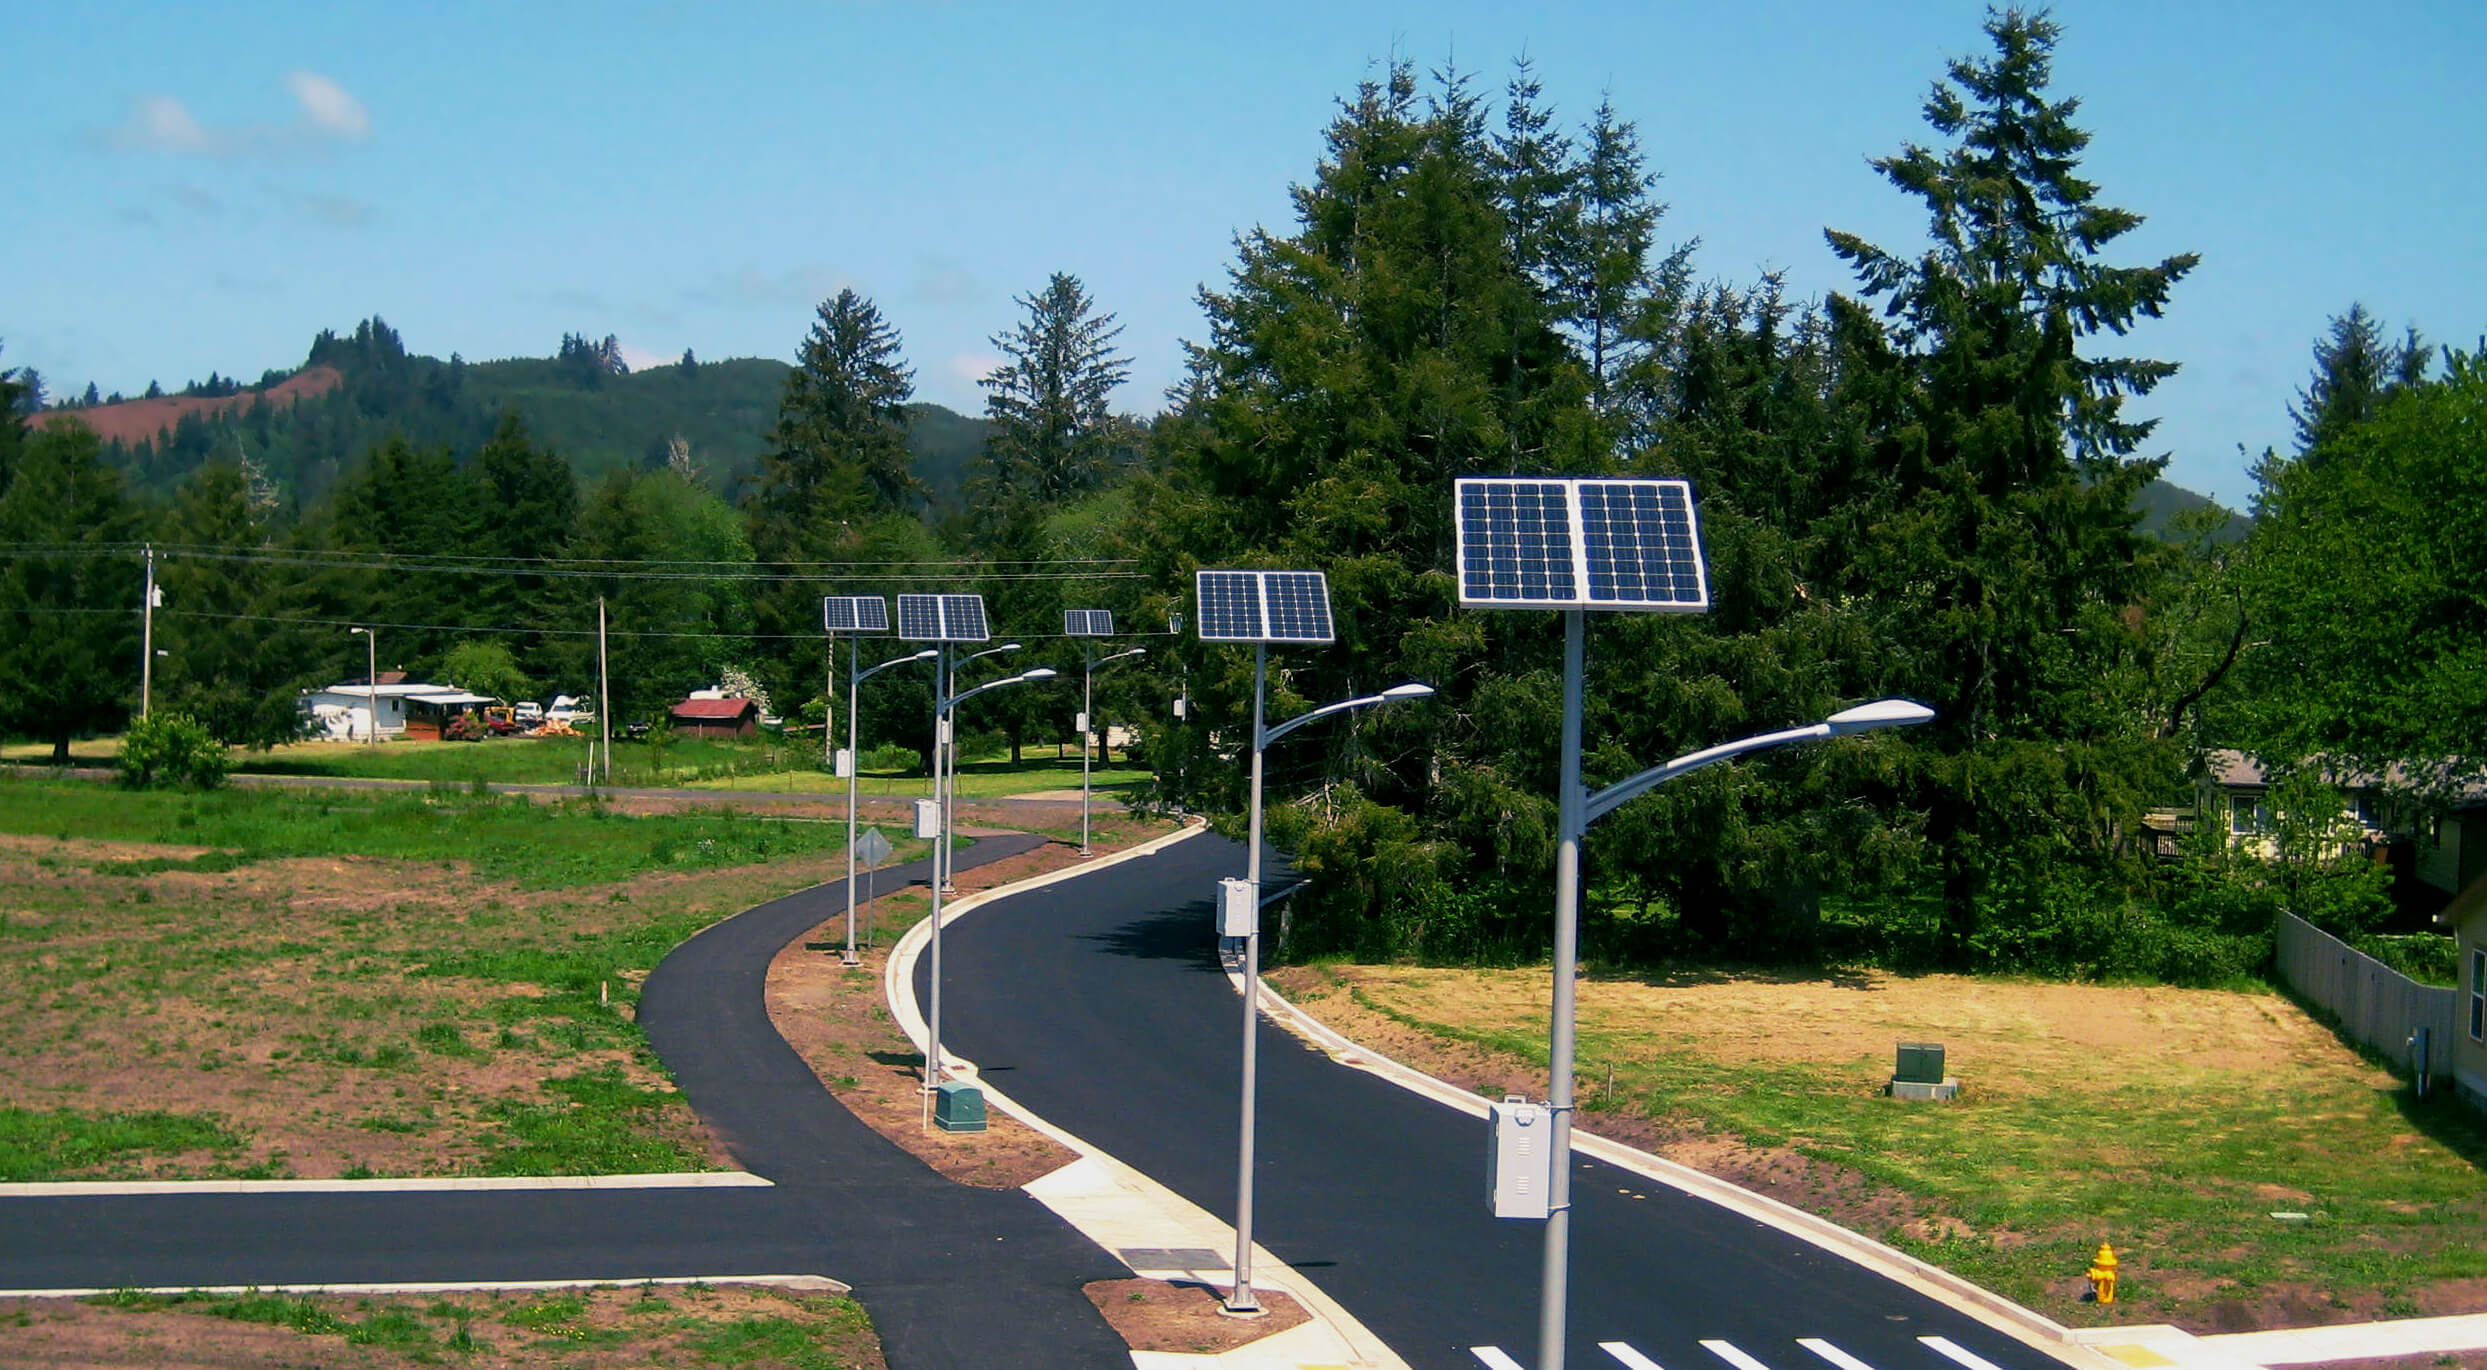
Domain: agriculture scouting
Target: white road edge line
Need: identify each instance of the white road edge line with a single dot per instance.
(1729, 1352)
(1832, 1354)
(819, 1284)
(1630, 1357)
(1945, 1347)
(92, 1189)
(1495, 1357)
(898, 989)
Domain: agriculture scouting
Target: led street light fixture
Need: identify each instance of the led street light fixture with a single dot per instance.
(854, 613)
(1088, 622)
(942, 618)
(1579, 544)
(1264, 606)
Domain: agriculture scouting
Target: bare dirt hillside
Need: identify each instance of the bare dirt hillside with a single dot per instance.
(140, 420)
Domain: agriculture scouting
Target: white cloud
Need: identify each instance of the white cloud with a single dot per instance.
(640, 359)
(336, 211)
(325, 113)
(327, 107)
(972, 367)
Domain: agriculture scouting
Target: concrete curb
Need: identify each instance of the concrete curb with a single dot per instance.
(1169, 1211)
(810, 1284)
(96, 1189)
(2024, 1325)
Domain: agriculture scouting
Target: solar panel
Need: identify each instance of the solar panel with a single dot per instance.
(1298, 605)
(1579, 544)
(1264, 606)
(919, 618)
(1230, 606)
(1088, 622)
(854, 613)
(962, 618)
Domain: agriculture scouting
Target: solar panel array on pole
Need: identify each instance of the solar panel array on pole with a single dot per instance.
(1088, 622)
(942, 618)
(854, 613)
(1580, 544)
(1264, 606)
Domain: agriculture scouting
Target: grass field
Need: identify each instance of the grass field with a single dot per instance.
(2173, 1123)
(267, 983)
(760, 765)
(590, 1329)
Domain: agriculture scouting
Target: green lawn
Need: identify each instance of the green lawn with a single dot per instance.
(537, 846)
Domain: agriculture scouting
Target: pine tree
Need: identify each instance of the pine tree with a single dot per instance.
(2354, 369)
(226, 663)
(1054, 433)
(2005, 549)
(839, 450)
(68, 617)
(1609, 281)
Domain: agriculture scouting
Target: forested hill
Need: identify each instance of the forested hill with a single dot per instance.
(580, 403)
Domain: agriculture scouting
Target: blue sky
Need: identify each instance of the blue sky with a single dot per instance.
(203, 188)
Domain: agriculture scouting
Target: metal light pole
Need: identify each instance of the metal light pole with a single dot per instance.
(1240, 1300)
(946, 781)
(854, 770)
(945, 712)
(146, 638)
(604, 693)
(1087, 724)
(1576, 810)
(371, 679)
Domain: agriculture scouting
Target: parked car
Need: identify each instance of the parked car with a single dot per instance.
(527, 711)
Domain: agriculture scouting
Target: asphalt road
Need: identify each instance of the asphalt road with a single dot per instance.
(1100, 1004)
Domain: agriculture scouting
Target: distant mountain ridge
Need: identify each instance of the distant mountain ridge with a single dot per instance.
(355, 391)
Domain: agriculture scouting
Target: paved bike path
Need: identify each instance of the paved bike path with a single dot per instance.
(1101, 1005)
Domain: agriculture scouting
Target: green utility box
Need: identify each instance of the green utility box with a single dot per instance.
(1921, 1063)
(958, 1107)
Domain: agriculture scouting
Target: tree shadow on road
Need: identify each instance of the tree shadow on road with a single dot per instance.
(1176, 934)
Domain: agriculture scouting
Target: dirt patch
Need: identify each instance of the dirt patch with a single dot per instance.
(604, 1329)
(1156, 1315)
(141, 420)
(2451, 1360)
(837, 1018)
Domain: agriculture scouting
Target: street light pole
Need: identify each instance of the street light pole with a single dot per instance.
(146, 640)
(1576, 810)
(946, 783)
(854, 770)
(945, 714)
(1241, 1300)
(1088, 724)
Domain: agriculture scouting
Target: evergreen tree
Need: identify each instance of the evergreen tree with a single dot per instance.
(12, 426)
(689, 365)
(528, 509)
(1054, 435)
(2354, 369)
(1608, 279)
(2005, 550)
(69, 594)
(226, 663)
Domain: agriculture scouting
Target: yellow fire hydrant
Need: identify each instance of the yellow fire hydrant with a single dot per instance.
(2103, 1273)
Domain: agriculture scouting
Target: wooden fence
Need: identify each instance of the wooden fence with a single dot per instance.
(2377, 1006)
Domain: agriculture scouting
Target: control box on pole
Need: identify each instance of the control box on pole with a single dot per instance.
(1517, 1155)
(1236, 915)
(928, 818)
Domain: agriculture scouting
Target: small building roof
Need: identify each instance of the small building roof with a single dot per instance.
(400, 690)
(725, 709)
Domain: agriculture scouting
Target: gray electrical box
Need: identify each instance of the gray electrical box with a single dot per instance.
(1080, 723)
(846, 763)
(1920, 1063)
(1237, 916)
(1519, 1157)
(928, 818)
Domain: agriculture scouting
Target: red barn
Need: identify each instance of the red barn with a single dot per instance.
(715, 718)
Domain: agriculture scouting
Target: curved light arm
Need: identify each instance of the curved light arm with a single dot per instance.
(926, 655)
(1882, 713)
(989, 651)
(1391, 695)
(1040, 673)
(1100, 661)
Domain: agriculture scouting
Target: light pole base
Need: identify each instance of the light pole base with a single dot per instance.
(1254, 1310)
(849, 958)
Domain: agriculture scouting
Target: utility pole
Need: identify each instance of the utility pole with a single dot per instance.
(146, 639)
(604, 693)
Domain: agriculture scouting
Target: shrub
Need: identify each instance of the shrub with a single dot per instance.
(171, 750)
(891, 757)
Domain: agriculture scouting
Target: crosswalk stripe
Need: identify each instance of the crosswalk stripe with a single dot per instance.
(1633, 1360)
(1495, 1357)
(1832, 1354)
(1943, 1346)
(1729, 1352)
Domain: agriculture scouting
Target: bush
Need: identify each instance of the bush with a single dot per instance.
(171, 750)
(891, 757)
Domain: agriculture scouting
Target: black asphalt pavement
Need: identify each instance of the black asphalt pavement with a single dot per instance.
(1100, 1004)
(955, 1278)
